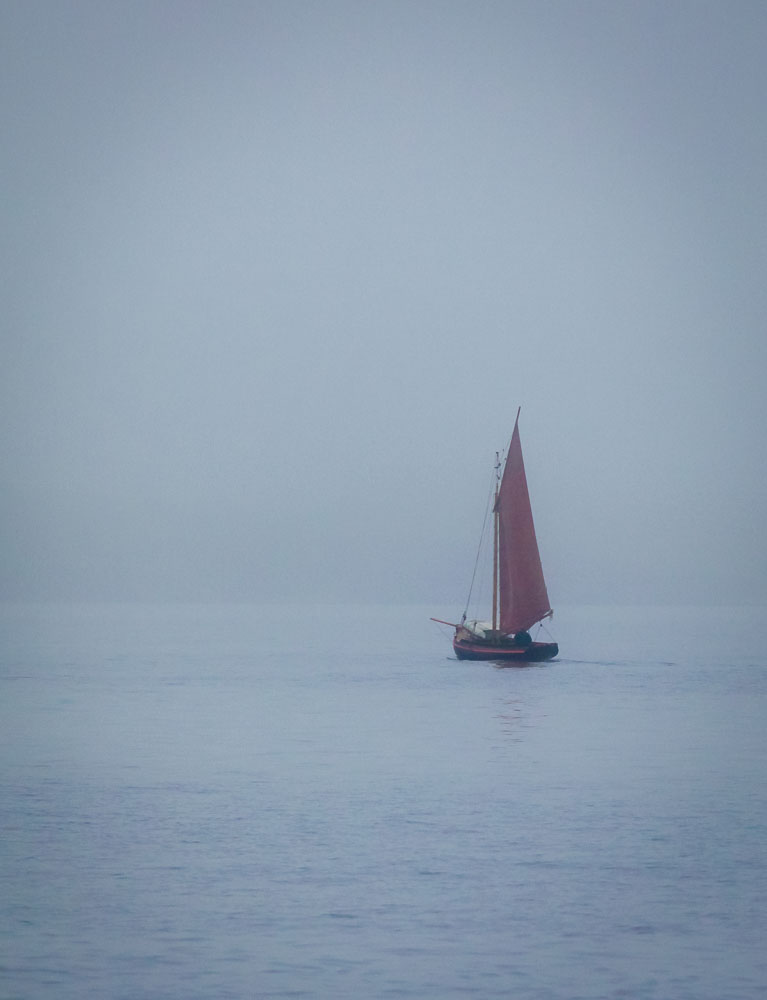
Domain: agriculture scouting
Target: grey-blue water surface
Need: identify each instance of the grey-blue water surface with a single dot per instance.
(235, 801)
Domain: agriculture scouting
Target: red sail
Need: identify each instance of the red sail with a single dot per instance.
(523, 597)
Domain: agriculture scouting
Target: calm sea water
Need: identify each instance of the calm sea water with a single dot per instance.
(234, 801)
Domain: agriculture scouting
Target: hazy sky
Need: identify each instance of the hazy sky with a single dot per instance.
(276, 276)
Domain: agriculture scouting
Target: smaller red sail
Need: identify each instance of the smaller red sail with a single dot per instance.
(523, 598)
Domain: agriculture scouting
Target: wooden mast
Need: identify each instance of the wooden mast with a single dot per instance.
(495, 541)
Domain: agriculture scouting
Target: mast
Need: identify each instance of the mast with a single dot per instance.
(496, 519)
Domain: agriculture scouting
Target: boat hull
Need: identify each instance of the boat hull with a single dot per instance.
(534, 653)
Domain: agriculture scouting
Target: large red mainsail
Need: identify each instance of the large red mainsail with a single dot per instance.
(523, 598)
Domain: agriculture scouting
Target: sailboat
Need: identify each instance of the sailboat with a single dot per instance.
(520, 599)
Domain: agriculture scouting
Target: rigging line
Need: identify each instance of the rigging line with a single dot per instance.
(479, 549)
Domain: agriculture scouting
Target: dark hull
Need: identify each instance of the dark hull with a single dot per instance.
(534, 653)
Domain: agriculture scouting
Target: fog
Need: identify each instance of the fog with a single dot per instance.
(277, 275)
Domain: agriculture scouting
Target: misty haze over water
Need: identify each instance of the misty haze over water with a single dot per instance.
(277, 276)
